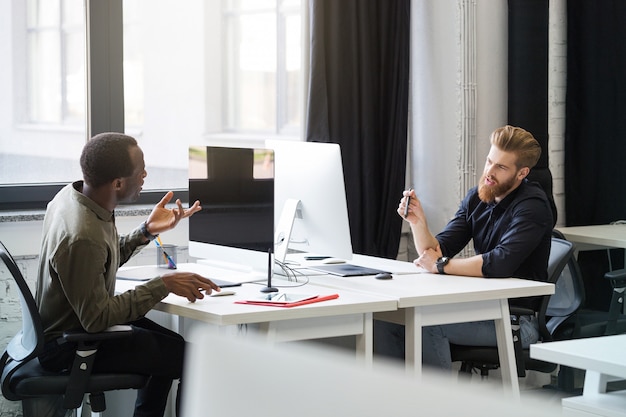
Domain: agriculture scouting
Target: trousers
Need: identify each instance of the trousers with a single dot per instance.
(151, 350)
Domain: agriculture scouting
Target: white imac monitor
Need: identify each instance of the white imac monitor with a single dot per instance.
(235, 228)
(311, 173)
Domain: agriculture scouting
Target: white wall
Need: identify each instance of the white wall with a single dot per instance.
(440, 111)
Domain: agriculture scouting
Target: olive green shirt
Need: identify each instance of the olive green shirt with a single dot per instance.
(80, 254)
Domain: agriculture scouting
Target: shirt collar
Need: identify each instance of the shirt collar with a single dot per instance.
(82, 199)
(506, 201)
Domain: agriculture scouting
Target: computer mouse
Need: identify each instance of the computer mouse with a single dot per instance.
(383, 275)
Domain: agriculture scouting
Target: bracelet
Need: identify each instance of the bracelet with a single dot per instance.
(144, 231)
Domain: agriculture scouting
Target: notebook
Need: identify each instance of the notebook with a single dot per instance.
(302, 301)
(346, 270)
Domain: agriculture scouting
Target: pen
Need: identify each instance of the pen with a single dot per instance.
(408, 201)
(168, 259)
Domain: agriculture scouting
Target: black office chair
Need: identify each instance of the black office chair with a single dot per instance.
(552, 315)
(46, 393)
(564, 317)
(592, 323)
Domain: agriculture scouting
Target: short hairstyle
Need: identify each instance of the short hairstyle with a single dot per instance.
(106, 157)
(519, 141)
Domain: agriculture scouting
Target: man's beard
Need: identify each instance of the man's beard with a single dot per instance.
(488, 193)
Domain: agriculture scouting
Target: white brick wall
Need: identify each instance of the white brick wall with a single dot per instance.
(557, 83)
(10, 308)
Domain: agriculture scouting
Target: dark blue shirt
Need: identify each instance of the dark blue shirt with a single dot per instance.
(513, 236)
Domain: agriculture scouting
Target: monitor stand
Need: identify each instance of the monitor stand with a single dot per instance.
(270, 272)
(283, 231)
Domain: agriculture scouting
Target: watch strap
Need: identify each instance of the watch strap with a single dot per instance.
(441, 263)
(145, 233)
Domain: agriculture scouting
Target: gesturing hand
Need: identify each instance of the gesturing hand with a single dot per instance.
(414, 211)
(162, 219)
(188, 285)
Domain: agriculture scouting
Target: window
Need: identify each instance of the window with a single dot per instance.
(192, 72)
(263, 66)
(42, 126)
(55, 41)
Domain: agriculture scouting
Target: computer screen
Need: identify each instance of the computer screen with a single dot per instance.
(312, 173)
(235, 187)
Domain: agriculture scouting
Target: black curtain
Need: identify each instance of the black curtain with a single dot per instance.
(595, 132)
(359, 89)
(528, 80)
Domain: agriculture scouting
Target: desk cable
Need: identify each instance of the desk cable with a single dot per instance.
(293, 276)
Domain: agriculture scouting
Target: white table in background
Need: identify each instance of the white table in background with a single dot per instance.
(604, 359)
(596, 236)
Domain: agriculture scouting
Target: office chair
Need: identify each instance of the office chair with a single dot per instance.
(552, 316)
(592, 323)
(53, 394)
(564, 317)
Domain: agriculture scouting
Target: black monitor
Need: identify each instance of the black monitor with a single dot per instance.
(235, 187)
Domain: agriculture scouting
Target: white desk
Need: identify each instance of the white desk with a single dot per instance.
(423, 299)
(429, 299)
(604, 359)
(596, 236)
(350, 314)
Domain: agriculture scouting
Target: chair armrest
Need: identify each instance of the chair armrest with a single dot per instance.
(84, 358)
(113, 332)
(521, 311)
(617, 278)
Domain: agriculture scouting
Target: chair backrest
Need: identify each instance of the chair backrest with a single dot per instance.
(569, 293)
(561, 251)
(29, 341)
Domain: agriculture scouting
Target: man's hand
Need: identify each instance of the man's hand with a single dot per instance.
(163, 219)
(414, 211)
(412, 207)
(428, 259)
(188, 285)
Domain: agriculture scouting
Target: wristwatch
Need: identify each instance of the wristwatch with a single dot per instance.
(441, 262)
(144, 231)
